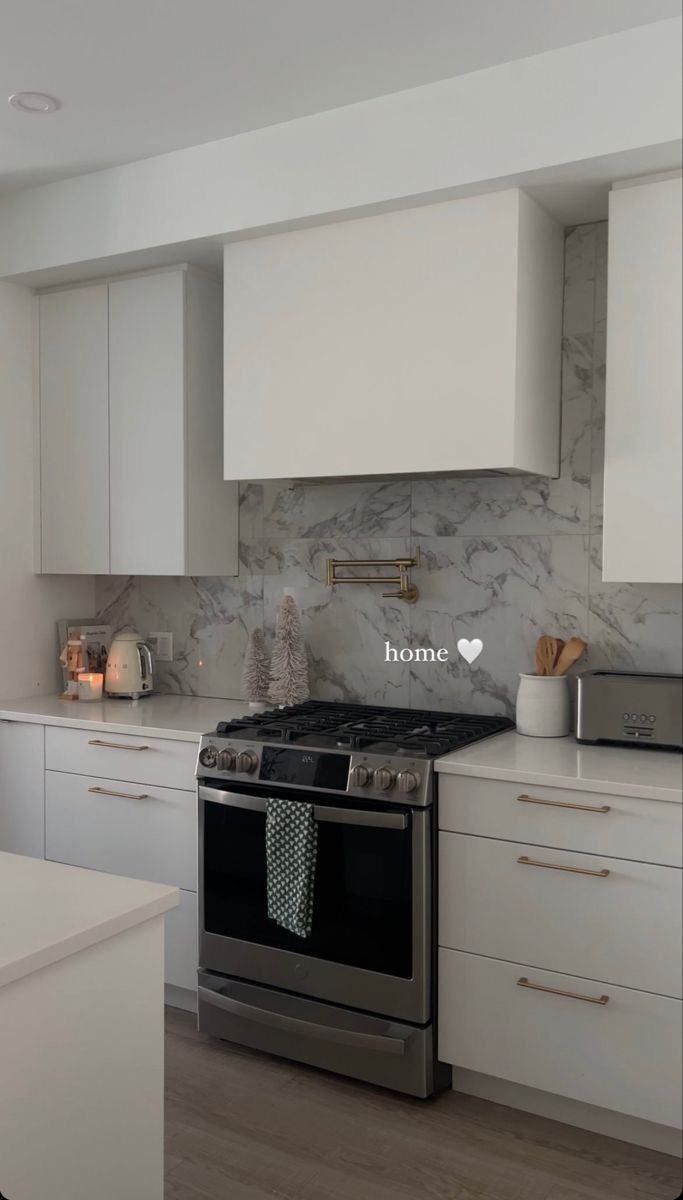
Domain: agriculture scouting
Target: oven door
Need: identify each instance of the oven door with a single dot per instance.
(370, 943)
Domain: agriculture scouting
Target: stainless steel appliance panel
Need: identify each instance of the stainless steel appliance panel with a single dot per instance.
(630, 708)
(406, 998)
(379, 1051)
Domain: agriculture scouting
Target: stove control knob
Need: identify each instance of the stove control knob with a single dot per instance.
(226, 760)
(384, 778)
(360, 776)
(208, 756)
(247, 761)
(407, 781)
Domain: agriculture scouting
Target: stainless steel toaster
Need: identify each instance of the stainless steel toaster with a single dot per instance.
(625, 707)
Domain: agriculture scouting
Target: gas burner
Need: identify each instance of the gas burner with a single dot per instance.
(415, 732)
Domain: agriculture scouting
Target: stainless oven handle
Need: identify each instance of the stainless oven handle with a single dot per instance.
(338, 816)
(328, 1033)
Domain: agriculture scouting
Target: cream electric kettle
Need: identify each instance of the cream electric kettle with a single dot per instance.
(130, 667)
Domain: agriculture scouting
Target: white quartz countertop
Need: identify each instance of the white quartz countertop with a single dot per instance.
(563, 762)
(49, 911)
(183, 718)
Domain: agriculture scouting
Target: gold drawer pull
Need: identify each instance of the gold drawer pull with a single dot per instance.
(603, 808)
(115, 745)
(539, 987)
(534, 862)
(99, 791)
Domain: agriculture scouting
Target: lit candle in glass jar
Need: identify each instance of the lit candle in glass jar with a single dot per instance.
(90, 685)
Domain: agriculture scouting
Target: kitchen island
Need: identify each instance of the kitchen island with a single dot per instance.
(81, 1033)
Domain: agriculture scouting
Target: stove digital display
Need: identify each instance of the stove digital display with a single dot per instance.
(309, 769)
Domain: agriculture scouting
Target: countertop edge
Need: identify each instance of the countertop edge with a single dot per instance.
(608, 786)
(46, 956)
(73, 722)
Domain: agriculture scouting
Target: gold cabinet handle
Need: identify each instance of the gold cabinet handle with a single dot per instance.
(115, 745)
(100, 791)
(603, 808)
(534, 862)
(539, 987)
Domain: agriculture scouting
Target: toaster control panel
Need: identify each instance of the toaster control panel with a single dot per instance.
(622, 707)
(639, 725)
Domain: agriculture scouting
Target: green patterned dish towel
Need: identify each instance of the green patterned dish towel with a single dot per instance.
(291, 851)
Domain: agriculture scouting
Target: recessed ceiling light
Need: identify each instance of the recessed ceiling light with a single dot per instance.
(34, 102)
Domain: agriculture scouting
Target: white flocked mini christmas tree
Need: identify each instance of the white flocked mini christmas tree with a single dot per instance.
(256, 669)
(289, 661)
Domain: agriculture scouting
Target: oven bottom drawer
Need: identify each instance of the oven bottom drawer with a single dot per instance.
(387, 1053)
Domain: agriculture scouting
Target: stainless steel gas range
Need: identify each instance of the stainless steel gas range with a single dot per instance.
(359, 995)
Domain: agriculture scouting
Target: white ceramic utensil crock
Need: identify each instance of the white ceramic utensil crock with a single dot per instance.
(543, 706)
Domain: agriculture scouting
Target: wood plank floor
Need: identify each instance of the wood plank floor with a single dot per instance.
(243, 1126)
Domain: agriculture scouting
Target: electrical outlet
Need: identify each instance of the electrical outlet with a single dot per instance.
(162, 646)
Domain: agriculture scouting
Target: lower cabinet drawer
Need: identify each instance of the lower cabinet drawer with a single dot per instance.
(621, 826)
(137, 759)
(582, 914)
(131, 829)
(181, 943)
(624, 1055)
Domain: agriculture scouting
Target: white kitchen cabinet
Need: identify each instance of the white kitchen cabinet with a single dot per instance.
(552, 898)
(131, 478)
(22, 789)
(74, 418)
(425, 340)
(603, 918)
(649, 831)
(137, 830)
(623, 1055)
(124, 756)
(643, 527)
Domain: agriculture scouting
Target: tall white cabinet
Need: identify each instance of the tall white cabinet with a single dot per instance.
(74, 431)
(643, 527)
(130, 429)
(407, 342)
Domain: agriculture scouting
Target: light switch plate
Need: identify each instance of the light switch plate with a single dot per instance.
(162, 646)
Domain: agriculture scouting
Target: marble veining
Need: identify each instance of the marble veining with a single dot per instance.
(505, 558)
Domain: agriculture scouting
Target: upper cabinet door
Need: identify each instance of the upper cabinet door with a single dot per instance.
(147, 424)
(415, 341)
(643, 530)
(74, 417)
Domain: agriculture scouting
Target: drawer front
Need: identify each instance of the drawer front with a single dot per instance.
(144, 832)
(566, 915)
(181, 952)
(622, 826)
(624, 1055)
(160, 761)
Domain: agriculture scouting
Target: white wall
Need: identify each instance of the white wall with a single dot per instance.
(29, 604)
(612, 96)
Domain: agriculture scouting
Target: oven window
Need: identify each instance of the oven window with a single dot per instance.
(362, 913)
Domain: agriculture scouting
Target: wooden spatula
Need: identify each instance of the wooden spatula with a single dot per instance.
(546, 653)
(570, 653)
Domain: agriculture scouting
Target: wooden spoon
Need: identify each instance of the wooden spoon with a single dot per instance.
(570, 653)
(559, 647)
(546, 653)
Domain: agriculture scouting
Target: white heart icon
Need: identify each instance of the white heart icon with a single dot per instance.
(470, 650)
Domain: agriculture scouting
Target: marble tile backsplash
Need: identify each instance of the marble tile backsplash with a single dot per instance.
(505, 558)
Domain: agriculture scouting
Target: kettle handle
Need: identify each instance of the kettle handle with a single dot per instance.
(146, 664)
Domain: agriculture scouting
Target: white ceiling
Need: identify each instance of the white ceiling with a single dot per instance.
(141, 77)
